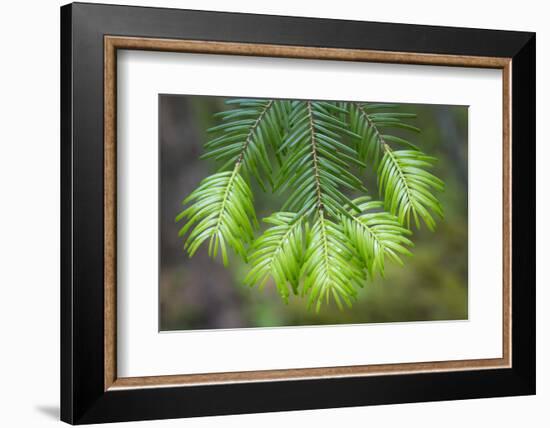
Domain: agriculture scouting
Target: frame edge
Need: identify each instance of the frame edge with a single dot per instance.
(66, 315)
(523, 157)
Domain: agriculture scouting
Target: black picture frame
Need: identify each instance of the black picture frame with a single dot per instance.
(83, 396)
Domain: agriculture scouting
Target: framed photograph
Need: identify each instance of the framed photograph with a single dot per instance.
(266, 213)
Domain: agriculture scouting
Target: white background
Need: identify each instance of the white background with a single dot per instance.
(142, 351)
(29, 226)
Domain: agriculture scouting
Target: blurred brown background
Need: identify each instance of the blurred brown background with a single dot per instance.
(199, 293)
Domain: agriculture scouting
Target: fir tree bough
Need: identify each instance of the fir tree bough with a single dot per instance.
(329, 238)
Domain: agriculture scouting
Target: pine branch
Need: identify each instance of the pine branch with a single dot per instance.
(330, 268)
(405, 185)
(278, 253)
(223, 203)
(246, 134)
(222, 211)
(317, 164)
(375, 235)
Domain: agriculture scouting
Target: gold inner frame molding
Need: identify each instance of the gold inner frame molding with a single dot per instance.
(113, 43)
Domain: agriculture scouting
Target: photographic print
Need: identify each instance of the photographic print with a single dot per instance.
(286, 212)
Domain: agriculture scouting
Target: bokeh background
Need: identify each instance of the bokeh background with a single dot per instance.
(199, 293)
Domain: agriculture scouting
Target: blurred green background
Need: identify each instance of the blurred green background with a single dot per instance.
(199, 293)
